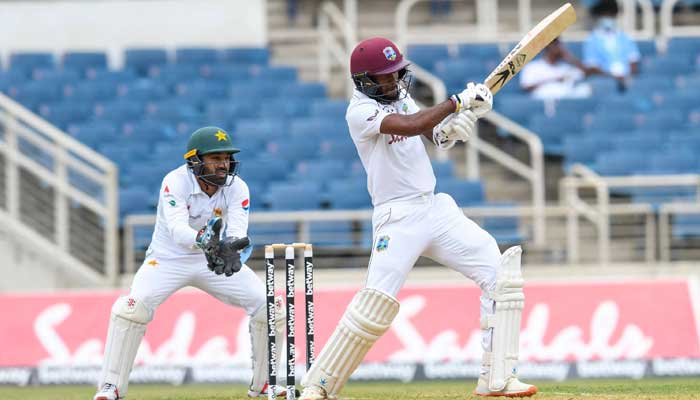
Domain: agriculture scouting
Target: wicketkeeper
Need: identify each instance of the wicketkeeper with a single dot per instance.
(200, 239)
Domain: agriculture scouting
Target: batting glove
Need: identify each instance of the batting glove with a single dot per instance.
(476, 97)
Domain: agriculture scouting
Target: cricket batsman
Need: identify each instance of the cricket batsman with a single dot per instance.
(409, 221)
(198, 202)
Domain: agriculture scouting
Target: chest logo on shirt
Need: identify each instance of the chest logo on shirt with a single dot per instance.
(373, 117)
(397, 139)
(383, 243)
(218, 212)
(245, 204)
(172, 203)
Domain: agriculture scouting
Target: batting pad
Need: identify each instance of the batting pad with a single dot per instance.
(258, 343)
(505, 322)
(127, 325)
(366, 319)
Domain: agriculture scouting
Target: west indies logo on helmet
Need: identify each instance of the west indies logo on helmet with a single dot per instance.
(379, 70)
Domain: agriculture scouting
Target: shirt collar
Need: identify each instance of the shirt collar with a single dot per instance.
(195, 184)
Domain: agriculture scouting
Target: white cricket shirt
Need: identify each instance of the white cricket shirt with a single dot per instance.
(398, 167)
(183, 209)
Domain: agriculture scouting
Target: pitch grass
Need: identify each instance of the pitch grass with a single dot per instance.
(681, 389)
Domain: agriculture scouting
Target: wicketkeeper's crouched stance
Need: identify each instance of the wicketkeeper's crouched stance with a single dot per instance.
(410, 221)
(205, 193)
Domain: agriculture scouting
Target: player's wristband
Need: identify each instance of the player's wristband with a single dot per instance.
(456, 103)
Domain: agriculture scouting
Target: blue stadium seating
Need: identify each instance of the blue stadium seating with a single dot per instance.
(196, 55)
(578, 106)
(131, 200)
(143, 90)
(120, 111)
(226, 72)
(141, 60)
(620, 162)
(443, 169)
(319, 171)
(63, 114)
(669, 66)
(329, 108)
(251, 55)
(485, 53)
(122, 76)
(350, 193)
(276, 73)
(59, 76)
(518, 108)
(94, 91)
(31, 60)
(466, 193)
(426, 55)
(303, 195)
(331, 233)
(84, 60)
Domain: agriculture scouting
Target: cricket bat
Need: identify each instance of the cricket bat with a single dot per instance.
(529, 46)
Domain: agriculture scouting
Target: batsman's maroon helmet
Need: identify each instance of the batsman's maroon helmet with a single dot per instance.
(376, 56)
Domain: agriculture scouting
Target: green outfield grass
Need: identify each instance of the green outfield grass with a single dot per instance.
(681, 389)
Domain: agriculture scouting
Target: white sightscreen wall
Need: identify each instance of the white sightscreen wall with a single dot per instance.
(113, 26)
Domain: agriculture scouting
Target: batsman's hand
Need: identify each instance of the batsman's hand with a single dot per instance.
(229, 255)
(476, 97)
(456, 127)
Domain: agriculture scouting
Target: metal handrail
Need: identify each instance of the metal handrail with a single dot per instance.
(666, 28)
(331, 52)
(303, 218)
(65, 152)
(665, 212)
(582, 176)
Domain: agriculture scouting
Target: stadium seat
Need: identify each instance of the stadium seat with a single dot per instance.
(120, 111)
(319, 128)
(443, 169)
(84, 60)
(337, 149)
(60, 76)
(305, 91)
(331, 233)
(271, 232)
(63, 114)
(303, 195)
(671, 65)
(292, 149)
(616, 163)
(201, 91)
(348, 194)
(266, 128)
(250, 55)
(678, 161)
(518, 108)
(282, 107)
(466, 193)
(264, 169)
(31, 60)
(226, 112)
(577, 106)
(319, 171)
(143, 90)
(670, 119)
(173, 110)
(426, 55)
(131, 201)
(456, 73)
(148, 131)
(683, 46)
(329, 108)
(626, 103)
(607, 122)
(120, 76)
(93, 133)
(603, 86)
(91, 91)
(482, 53)
(196, 55)
(140, 60)
(584, 148)
(647, 48)
(34, 93)
(274, 73)
(172, 74)
(262, 89)
(226, 72)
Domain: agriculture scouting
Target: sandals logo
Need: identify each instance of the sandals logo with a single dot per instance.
(389, 53)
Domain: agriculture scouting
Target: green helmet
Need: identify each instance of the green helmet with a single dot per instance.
(208, 140)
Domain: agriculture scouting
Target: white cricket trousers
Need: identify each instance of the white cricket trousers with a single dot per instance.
(158, 278)
(432, 226)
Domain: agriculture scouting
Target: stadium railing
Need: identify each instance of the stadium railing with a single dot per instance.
(600, 213)
(59, 195)
(667, 29)
(666, 212)
(485, 28)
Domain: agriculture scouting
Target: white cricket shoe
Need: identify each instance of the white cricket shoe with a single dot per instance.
(107, 392)
(279, 391)
(513, 388)
(315, 393)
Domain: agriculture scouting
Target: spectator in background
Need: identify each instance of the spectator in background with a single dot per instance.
(608, 49)
(556, 74)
